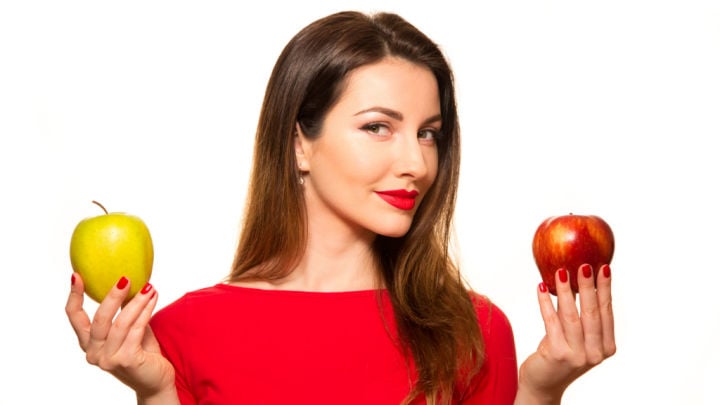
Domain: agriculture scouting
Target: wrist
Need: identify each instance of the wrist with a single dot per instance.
(528, 395)
(167, 396)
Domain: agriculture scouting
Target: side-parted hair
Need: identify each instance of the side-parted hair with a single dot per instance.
(433, 309)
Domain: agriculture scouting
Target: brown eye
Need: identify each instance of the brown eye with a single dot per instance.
(377, 129)
(428, 134)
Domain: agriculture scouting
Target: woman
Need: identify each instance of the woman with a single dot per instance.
(342, 289)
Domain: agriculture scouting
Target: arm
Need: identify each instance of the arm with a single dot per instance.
(122, 343)
(497, 382)
(168, 397)
(574, 342)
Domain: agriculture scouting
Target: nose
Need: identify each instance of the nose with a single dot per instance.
(410, 160)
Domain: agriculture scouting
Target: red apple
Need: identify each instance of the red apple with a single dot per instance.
(568, 241)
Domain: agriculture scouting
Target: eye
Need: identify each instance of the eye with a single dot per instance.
(429, 134)
(377, 129)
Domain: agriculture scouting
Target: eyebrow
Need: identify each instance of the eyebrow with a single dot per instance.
(397, 114)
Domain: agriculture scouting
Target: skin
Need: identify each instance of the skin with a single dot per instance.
(378, 136)
(575, 340)
(125, 346)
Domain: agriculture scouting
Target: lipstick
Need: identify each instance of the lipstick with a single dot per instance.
(400, 199)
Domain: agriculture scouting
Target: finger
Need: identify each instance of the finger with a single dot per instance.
(590, 315)
(128, 327)
(74, 310)
(140, 334)
(150, 342)
(567, 310)
(553, 328)
(606, 311)
(102, 321)
(142, 326)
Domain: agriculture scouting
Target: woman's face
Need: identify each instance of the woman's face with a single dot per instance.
(376, 155)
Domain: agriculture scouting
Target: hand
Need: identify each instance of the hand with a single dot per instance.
(125, 347)
(574, 342)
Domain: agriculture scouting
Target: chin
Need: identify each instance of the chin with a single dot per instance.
(394, 230)
(393, 234)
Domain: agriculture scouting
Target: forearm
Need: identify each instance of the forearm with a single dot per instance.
(166, 397)
(527, 396)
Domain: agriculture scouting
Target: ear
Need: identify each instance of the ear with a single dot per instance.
(302, 149)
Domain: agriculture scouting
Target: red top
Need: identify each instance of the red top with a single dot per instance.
(237, 345)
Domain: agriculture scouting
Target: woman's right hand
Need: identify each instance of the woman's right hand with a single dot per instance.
(123, 345)
(575, 341)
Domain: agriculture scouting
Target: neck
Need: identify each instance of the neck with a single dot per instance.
(335, 263)
(343, 261)
(338, 256)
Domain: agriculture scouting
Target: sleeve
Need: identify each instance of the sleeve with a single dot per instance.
(497, 381)
(168, 327)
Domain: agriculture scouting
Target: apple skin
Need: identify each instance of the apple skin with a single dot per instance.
(568, 241)
(107, 247)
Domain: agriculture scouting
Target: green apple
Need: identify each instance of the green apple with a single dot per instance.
(107, 247)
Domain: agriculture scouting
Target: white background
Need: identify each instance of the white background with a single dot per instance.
(609, 108)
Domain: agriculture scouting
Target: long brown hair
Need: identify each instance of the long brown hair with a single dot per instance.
(433, 310)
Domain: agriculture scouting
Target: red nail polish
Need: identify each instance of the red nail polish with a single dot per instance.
(122, 283)
(563, 275)
(153, 294)
(145, 289)
(72, 279)
(542, 287)
(606, 271)
(586, 270)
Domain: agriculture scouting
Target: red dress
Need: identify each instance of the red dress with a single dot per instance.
(238, 345)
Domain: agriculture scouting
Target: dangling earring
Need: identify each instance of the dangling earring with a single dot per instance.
(301, 167)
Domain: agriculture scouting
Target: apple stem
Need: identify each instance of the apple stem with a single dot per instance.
(101, 206)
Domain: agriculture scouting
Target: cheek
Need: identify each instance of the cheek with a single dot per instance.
(354, 158)
(347, 163)
(431, 159)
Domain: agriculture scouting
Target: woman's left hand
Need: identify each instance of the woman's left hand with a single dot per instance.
(574, 341)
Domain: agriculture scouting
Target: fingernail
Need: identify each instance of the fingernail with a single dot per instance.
(563, 275)
(122, 283)
(72, 279)
(153, 294)
(542, 287)
(145, 289)
(586, 270)
(606, 271)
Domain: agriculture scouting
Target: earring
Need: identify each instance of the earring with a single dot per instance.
(301, 168)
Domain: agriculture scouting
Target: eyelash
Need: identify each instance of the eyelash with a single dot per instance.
(373, 128)
(435, 133)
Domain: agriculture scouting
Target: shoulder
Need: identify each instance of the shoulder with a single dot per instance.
(497, 381)
(497, 332)
(200, 296)
(182, 313)
(200, 315)
(491, 317)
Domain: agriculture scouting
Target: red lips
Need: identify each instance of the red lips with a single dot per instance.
(401, 199)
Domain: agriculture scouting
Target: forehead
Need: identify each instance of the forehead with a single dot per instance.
(391, 82)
